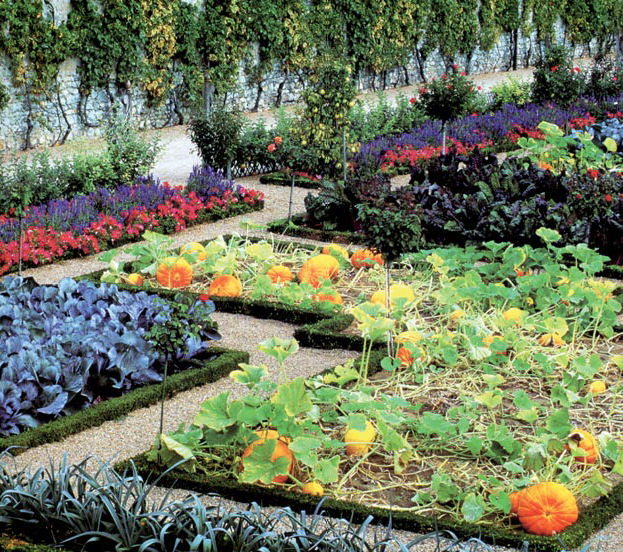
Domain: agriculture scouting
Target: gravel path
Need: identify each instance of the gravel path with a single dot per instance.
(135, 433)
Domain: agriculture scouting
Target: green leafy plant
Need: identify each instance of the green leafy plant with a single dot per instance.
(555, 79)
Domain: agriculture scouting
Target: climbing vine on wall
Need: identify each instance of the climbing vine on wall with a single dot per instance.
(33, 43)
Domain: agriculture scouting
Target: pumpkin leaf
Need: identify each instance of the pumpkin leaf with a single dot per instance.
(258, 466)
(558, 423)
(327, 470)
(493, 380)
(435, 424)
(293, 397)
(342, 374)
(474, 444)
(490, 399)
(215, 414)
(259, 251)
(304, 449)
(529, 415)
(392, 440)
(597, 485)
(249, 374)
(501, 501)
(548, 235)
(445, 488)
(279, 348)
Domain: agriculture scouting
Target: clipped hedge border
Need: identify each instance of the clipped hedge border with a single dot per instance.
(591, 519)
(283, 179)
(56, 430)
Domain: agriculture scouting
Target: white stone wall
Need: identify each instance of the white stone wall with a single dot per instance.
(61, 116)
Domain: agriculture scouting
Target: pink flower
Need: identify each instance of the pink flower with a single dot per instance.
(463, 73)
(578, 196)
(455, 66)
(271, 147)
(614, 79)
(479, 87)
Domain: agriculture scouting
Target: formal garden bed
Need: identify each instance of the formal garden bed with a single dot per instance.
(496, 349)
(79, 354)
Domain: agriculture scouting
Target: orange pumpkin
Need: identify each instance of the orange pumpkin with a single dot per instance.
(174, 272)
(225, 285)
(279, 274)
(406, 356)
(546, 508)
(194, 247)
(515, 497)
(551, 340)
(331, 297)
(281, 449)
(366, 258)
(585, 441)
(320, 266)
(135, 279)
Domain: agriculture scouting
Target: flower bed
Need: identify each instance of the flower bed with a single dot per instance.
(90, 224)
(494, 375)
(501, 128)
(66, 349)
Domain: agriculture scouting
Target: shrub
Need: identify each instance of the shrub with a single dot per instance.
(510, 91)
(217, 136)
(129, 154)
(605, 79)
(555, 79)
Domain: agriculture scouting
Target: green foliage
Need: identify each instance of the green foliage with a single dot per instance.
(217, 136)
(324, 117)
(449, 97)
(392, 225)
(511, 91)
(605, 79)
(129, 154)
(555, 79)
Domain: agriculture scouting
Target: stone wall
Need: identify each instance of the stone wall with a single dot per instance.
(61, 115)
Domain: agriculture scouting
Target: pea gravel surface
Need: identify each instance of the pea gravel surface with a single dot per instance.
(126, 437)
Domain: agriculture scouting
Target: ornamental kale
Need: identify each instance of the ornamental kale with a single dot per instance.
(64, 348)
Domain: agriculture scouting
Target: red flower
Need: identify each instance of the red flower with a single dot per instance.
(479, 87)
(576, 69)
(278, 140)
(271, 147)
(463, 73)
(455, 66)
(614, 79)
(555, 68)
(444, 76)
(608, 198)
(412, 100)
(204, 297)
(578, 196)
(593, 173)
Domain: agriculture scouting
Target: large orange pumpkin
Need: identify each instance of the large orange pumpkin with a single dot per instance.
(366, 258)
(588, 443)
(546, 508)
(225, 285)
(174, 272)
(320, 266)
(281, 449)
(279, 274)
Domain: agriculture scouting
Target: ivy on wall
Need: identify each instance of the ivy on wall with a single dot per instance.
(165, 48)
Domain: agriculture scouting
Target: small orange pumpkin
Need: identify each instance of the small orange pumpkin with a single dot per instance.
(596, 387)
(174, 272)
(329, 296)
(135, 279)
(366, 258)
(585, 441)
(225, 285)
(320, 266)
(406, 356)
(279, 274)
(194, 247)
(313, 488)
(546, 508)
(281, 449)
